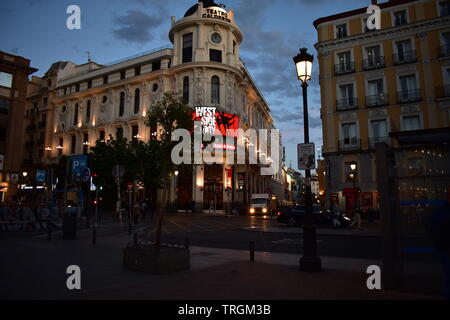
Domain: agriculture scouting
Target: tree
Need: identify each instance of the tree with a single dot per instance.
(166, 116)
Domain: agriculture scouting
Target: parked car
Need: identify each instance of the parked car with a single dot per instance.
(323, 218)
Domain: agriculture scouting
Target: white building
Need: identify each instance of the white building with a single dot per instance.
(94, 101)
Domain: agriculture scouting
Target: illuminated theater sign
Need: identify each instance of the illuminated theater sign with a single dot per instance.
(215, 122)
(216, 13)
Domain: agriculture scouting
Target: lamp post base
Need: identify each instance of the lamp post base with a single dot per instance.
(310, 264)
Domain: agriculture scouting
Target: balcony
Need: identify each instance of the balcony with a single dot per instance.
(347, 104)
(443, 92)
(344, 68)
(349, 144)
(409, 96)
(374, 63)
(381, 99)
(444, 51)
(404, 57)
(375, 140)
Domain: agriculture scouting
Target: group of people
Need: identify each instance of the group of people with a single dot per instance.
(27, 216)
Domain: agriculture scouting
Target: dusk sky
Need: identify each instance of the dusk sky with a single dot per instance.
(274, 30)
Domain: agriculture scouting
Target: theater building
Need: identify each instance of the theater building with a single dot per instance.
(94, 101)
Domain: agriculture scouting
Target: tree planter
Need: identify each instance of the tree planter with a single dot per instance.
(153, 260)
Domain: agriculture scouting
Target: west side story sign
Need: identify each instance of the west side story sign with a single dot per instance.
(216, 13)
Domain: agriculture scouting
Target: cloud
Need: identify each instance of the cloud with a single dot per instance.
(136, 26)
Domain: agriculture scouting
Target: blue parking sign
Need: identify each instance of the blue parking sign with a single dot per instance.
(40, 175)
(79, 163)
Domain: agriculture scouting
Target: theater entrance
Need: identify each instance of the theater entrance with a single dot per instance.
(213, 187)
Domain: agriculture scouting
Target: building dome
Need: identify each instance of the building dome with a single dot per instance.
(206, 4)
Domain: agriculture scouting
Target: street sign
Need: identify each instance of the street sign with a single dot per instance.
(86, 175)
(78, 164)
(14, 177)
(40, 175)
(130, 185)
(306, 156)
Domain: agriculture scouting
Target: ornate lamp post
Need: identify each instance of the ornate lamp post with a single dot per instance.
(310, 262)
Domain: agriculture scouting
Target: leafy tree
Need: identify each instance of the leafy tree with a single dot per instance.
(164, 118)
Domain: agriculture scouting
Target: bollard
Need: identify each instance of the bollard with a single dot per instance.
(187, 243)
(135, 240)
(49, 233)
(94, 237)
(252, 251)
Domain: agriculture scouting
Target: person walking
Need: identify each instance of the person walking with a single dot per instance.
(336, 215)
(440, 226)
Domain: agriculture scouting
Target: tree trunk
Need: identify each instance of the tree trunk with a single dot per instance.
(161, 209)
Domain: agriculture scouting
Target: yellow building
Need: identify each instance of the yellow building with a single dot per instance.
(376, 82)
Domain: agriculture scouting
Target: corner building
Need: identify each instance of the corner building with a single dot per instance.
(94, 101)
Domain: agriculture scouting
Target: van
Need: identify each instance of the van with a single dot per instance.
(260, 204)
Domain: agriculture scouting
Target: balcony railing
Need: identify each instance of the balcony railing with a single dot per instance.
(349, 144)
(375, 140)
(381, 99)
(444, 50)
(409, 96)
(443, 92)
(374, 63)
(344, 68)
(405, 57)
(347, 104)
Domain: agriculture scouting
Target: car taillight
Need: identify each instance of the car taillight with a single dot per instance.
(279, 213)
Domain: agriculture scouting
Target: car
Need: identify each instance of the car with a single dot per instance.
(296, 216)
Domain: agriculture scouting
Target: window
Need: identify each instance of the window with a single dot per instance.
(122, 75)
(344, 62)
(373, 56)
(85, 143)
(104, 99)
(88, 112)
(6, 79)
(137, 101)
(75, 115)
(102, 135)
(215, 55)
(411, 123)
(234, 47)
(89, 84)
(119, 133)
(155, 87)
(375, 87)
(45, 101)
(415, 166)
(400, 18)
(375, 94)
(135, 132)
(5, 104)
(341, 31)
(379, 128)
(49, 82)
(347, 97)
(73, 144)
(404, 52)
(215, 90)
(122, 104)
(65, 91)
(446, 44)
(156, 65)
(187, 47)
(77, 87)
(444, 8)
(408, 83)
(137, 71)
(186, 90)
(105, 79)
(349, 133)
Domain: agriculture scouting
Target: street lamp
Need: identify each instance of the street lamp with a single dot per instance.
(309, 262)
(353, 177)
(24, 174)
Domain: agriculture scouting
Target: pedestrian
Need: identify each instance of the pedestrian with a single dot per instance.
(440, 226)
(336, 215)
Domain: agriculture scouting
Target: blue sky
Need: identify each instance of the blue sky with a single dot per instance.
(274, 30)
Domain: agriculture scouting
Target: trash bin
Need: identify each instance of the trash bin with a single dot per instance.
(70, 224)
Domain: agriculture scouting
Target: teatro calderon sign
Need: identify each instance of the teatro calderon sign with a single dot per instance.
(216, 13)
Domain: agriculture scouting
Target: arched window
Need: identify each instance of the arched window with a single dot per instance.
(137, 101)
(88, 112)
(186, 90)
(215, 90)
(75, 115)
(122, 104)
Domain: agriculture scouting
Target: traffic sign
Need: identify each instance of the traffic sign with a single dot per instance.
(86, 175)
(130, 185)
(306, 156)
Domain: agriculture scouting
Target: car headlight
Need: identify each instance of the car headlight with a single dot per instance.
(252, 210)
(264, 210)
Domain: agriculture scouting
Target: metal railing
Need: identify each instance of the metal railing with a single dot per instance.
(405, 57)
(374, 63)
(381, 99)
(347, 104)
(344, 68)
(350, 144)
(373, 141)
(409, 96)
